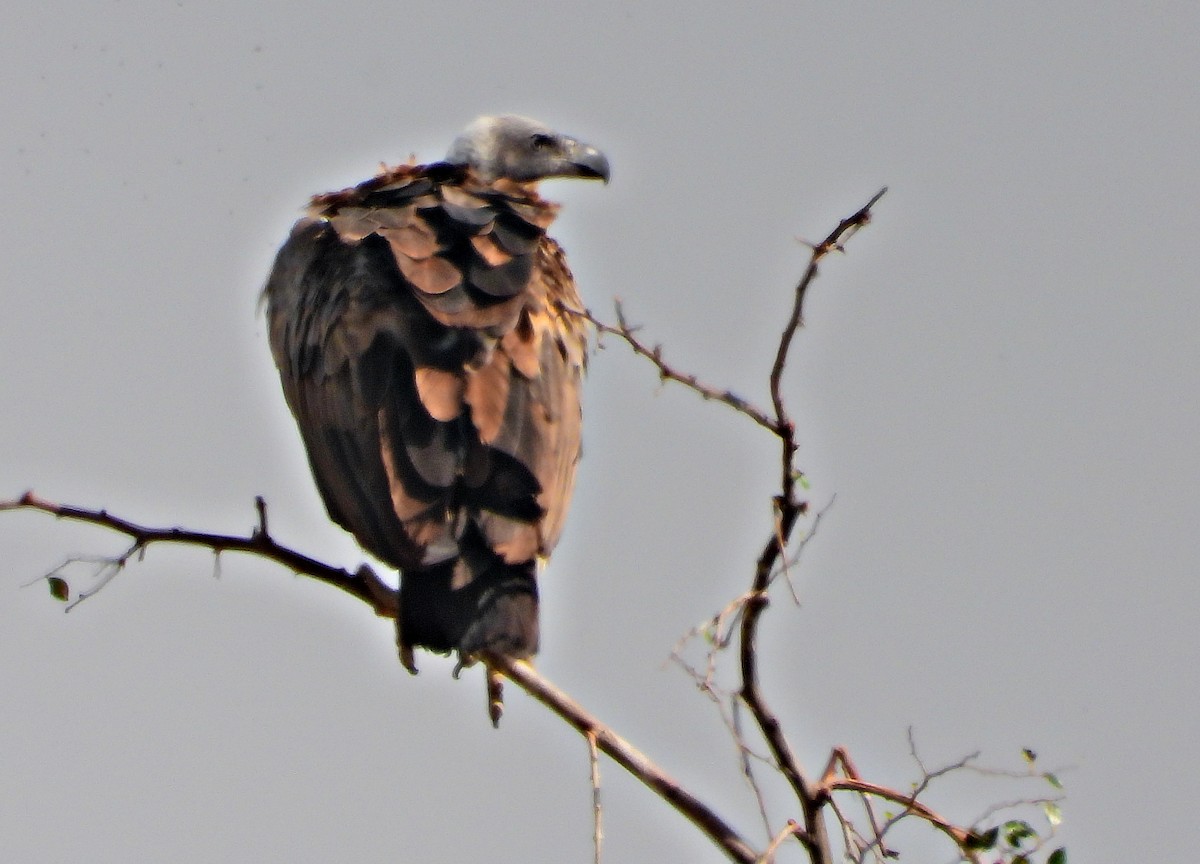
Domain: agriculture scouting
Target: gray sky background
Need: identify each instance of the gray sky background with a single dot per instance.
(999, 383)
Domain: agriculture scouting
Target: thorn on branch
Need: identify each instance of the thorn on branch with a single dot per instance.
(741, 616)
(260, 505)
(625, 332)
(381, 596)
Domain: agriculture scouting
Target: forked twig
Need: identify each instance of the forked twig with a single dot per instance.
(628, 757)
(381, 597)
(850, 781)
(788, 509)
(742, 616)
(626, 333)
(363, 584)
(791, 829)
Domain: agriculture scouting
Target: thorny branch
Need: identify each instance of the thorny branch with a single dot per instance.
(363, 584)
(809, 795)
(742, 616)
(628, 334)
(852, 782)
(744, 612)
(366, 586)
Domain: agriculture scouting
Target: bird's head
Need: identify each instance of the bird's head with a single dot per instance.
(521, 149)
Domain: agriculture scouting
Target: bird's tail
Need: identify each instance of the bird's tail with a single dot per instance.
(495, 610)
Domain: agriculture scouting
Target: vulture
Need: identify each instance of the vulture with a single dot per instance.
(422, 326)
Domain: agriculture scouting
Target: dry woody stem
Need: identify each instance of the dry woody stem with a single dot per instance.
(734, 628)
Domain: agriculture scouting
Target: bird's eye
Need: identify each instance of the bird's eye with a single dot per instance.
(541, 141)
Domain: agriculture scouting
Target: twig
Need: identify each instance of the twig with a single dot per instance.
(363, 584)
(719, 630)
(741, 615)
(623, 331)
(785, 566)
(366, 586)
(1001, 806)
(783, 424)
(745, 754)
(794, 558)
(107, 569)
(960, 836)
(628, 757)
(791, 829)
(747, 609)
(852, 782)
(852, 840)
(725, 702)
(597, 810)
(840, 757)
(788, 509)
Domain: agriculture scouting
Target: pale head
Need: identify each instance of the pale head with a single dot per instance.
(522, 149)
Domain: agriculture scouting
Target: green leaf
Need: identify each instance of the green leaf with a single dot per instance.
(1030, 756)
(1021, 859)
(1053, 780)
(1053, 813)
(1058, 856)
(59, 589)
(986, 840)
(1017, 830)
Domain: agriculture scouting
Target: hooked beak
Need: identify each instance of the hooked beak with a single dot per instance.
(587, 161)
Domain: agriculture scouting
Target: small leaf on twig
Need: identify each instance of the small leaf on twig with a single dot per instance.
(1053, 780)
(980, 842)
(1029, 755)
(1058, 856)
(1016, 831)
(59, 589)
(1053, 813)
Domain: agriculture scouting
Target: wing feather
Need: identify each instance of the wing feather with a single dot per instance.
(416, 322)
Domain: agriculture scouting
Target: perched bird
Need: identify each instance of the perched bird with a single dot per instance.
(420, 322)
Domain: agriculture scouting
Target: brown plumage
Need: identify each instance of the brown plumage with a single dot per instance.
(416, 320)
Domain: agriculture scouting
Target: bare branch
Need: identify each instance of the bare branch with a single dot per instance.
(746, 754)
(960, 836)
(741, 617)
(743, 613)
(791, 829)
(666, 372)
(628, 757)
(794, 559)
(852, 782)
(597, 810)
(363, 584)
(788, 509)
(366, 586)
(839, 757)
(718, 632)
(783, 424)
(855, 844)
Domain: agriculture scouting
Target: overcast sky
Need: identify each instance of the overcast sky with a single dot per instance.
(999, 384)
